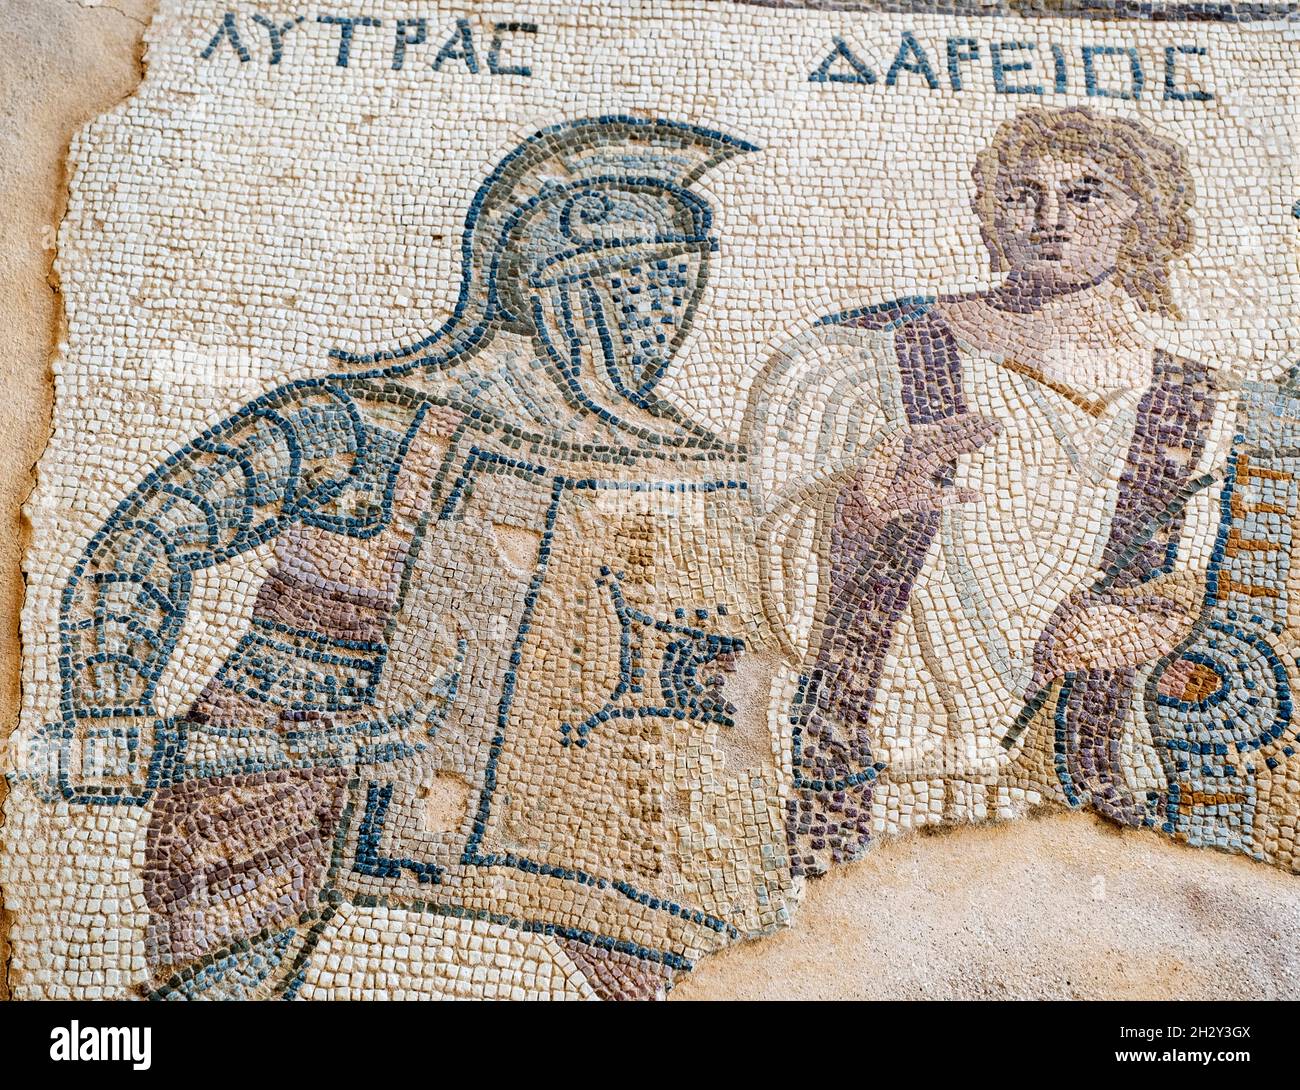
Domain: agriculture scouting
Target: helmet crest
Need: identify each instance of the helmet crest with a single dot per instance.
(574, 191)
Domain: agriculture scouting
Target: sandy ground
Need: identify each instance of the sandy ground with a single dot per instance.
(61, 64)
(1060, 906)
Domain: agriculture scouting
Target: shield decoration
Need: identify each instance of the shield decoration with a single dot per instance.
(625, 714)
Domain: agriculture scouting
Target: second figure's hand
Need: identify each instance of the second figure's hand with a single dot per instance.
(1122, 564)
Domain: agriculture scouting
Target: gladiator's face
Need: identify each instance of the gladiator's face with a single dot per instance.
(608, 274)
(1061, 221)
(642, 311)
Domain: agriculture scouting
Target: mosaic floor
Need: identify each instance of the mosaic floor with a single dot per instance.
(528, 493)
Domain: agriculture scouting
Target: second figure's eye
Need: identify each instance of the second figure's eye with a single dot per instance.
(1020, 195)
(1085, 190)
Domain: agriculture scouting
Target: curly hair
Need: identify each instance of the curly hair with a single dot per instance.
(1152, 169)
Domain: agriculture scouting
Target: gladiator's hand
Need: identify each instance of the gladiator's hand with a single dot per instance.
(95, 760)
(906, 472)
(1120, 630)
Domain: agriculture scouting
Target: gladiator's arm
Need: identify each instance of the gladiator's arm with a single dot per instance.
(309, 453)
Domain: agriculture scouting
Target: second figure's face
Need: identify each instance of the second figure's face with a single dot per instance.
(1061, 221)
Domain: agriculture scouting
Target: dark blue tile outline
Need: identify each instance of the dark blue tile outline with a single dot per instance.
(472, 856)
